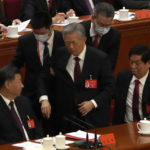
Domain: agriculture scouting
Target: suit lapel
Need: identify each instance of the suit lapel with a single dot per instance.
(6, 111)
(146, 95)
(62, 67)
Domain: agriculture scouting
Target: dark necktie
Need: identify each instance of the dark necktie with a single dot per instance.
(135, 102)
(50, 5)
(96, 41)
(16, 118)
(89, 6)
(77, 70)
(45, 54)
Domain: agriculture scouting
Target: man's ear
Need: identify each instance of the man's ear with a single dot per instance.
(7, 84)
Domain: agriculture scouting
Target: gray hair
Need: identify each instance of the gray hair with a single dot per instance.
(104, 9)
(79, 28)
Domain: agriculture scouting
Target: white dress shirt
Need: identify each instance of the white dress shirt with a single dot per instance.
(7, 101)
(41, 47)
(129, 114)
(93, 33)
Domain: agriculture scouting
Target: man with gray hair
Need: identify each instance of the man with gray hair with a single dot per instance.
(100, 34)
(84, 81)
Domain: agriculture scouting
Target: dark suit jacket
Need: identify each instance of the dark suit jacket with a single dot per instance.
(69, 95)
(122, 85)
(79, 6)
(27, 55)
(109, 43)
(8, 127)
(29, 7)
(4, 20)
(135, 4)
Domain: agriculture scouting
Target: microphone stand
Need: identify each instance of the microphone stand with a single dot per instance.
(96, 143)
(86, 144)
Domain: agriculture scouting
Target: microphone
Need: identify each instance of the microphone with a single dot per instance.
(96, 144)
(80, 143)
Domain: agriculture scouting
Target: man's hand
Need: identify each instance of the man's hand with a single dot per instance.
(46, 109)
(16, 21)
(85, 107)
(58, 19)
(70, 13)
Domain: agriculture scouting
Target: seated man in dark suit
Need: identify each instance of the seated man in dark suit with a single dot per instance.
(33, 51)
(100, 34)
(84, 81)
(30, 7)
(132, 99)
(135, 4)
(18, 122)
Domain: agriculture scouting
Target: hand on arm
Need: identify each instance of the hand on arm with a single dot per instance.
(85, 107)
(46, 109)
(69, 13)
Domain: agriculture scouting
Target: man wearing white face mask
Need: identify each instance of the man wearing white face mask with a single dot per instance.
(100, 34)
(35, 50)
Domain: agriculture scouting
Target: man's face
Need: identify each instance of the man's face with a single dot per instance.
(138, 67)
(74, 43)
(102, 21)
(14, 87)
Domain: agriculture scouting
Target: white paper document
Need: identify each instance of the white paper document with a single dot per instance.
(81, 135)
(22, 26)
(54, 141)
(28, 145)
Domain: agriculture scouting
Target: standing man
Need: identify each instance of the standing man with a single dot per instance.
(34, 50)
(18, 122)
(83, 79)
(132, 101)
(100, 33)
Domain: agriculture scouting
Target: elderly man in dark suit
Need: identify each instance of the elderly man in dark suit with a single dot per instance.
(135, 4)
(18, 122)
(132, 101)
(33, 51)
(100, 33)
(83, 79)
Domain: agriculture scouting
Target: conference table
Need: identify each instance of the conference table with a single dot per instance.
(126, 136)
(132, 33)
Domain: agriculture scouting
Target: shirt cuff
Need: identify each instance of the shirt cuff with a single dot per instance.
(94, 103)
(43, 97)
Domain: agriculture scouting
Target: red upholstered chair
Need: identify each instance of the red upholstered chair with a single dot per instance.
(12, 8)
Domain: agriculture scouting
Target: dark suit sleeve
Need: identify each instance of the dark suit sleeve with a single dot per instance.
(28, 9)
(4, 20)
(66, 5)
(135, 4)
(107, 84)
(114, 50)
(19, 59)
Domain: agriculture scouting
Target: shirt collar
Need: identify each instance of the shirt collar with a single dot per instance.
(6, 100)
(142, 80)
(82, 54)
(92, 30)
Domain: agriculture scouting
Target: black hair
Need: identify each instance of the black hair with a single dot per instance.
(141, 50)
(41, 19)
(104, 9)
(7, 72)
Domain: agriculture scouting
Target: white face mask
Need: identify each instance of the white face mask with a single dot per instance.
(41, 38)
(102, 30)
